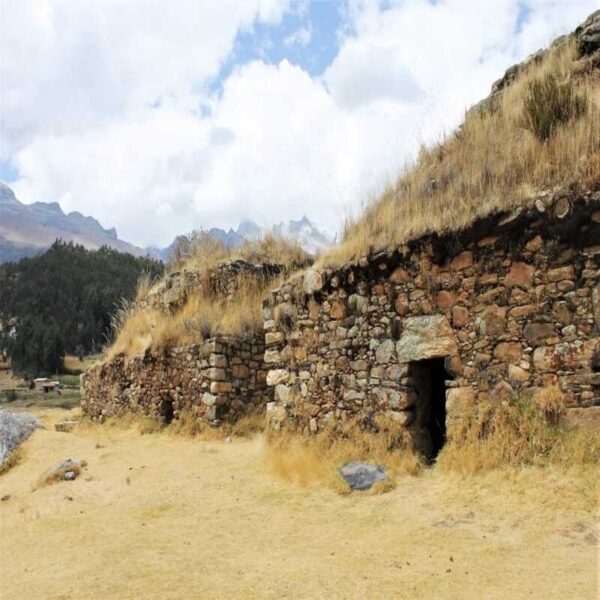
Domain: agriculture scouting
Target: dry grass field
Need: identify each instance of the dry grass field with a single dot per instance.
(167, 517)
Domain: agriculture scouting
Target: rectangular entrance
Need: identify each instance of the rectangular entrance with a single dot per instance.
(429, 379)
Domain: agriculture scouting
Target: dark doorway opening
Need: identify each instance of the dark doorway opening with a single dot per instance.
(429, 377)
(166, 411)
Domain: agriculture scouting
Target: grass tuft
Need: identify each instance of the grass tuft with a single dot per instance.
(522, 431)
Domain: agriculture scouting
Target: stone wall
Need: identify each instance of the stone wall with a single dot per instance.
(512, 303)
(221, 379)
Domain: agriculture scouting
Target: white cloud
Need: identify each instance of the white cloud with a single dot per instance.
(100, 105)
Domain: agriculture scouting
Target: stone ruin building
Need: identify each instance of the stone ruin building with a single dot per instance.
(417, 333)
(422, 332)
(222, 377)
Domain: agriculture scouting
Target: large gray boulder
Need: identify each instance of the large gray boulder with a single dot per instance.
(361, 476)
(15, 428)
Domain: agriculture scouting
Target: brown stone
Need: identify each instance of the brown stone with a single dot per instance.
(401, 304)
(534, 244)
(445, 299)
(562, 313)
(461, 262)
(488, 279)
(460, 316)
(537, 333)
(338, 310)
(517, 374)
(508, 352)
(488, 241)
(400, 275)
(522, 311)
(493, 322)
(596, 304)
(275, 337)
(220, 387)
(561, 274)
(521, 275)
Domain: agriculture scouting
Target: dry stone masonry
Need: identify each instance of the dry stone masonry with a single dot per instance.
(221, 379)
(421, 333)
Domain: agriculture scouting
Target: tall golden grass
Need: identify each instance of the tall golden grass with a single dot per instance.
(524, 430)
(205, 312)
(493, 161)
(304, 460)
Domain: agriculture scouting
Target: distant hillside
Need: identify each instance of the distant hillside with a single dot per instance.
(27, 229)
(311, 239)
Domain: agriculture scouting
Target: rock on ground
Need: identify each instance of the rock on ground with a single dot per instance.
(15, 428)
(361, 476)
(67, 470)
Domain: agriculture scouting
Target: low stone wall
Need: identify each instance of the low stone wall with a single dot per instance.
(512, 303)
(221, 379)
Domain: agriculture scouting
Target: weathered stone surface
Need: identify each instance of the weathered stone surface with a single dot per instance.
(517, 374)
(313, 282)
(385, 352)
(399, 275)
(536, 333)
(493, 322)
(272, 357)
(596, 304)
(277, 376)
(362, 476)
(561, 274)
(462, 261)
(445, 299)
(425, 337)
(460, 402)
(15, 428)
(521, 275)
(338, 310)
(460, 316)
(508, 352)
(275, 337)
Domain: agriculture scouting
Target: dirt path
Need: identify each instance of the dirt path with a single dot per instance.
(157, 517)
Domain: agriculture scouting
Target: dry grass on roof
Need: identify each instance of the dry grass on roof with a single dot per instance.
(205, 313)
(541, 132)
(198, 250)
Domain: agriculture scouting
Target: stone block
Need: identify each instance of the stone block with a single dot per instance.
(277, 376)
(461, 262)
(338, 310)
(537, 333)
(399, 276)
(216, 374)
(312, 282)
(561, 274)
(272, 357)
(460, 402)
(460, 316)
(508, 352)
(426, 337)
(385, 352)
(521, 275)
(445, 299)
(274, 337)
(220, 387)
(217, 360)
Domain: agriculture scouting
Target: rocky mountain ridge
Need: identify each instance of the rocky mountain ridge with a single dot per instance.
(27, 229)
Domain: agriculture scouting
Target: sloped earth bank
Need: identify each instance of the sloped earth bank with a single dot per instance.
(163, 517)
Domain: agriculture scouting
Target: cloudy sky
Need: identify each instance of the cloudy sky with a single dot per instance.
(160, 116)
